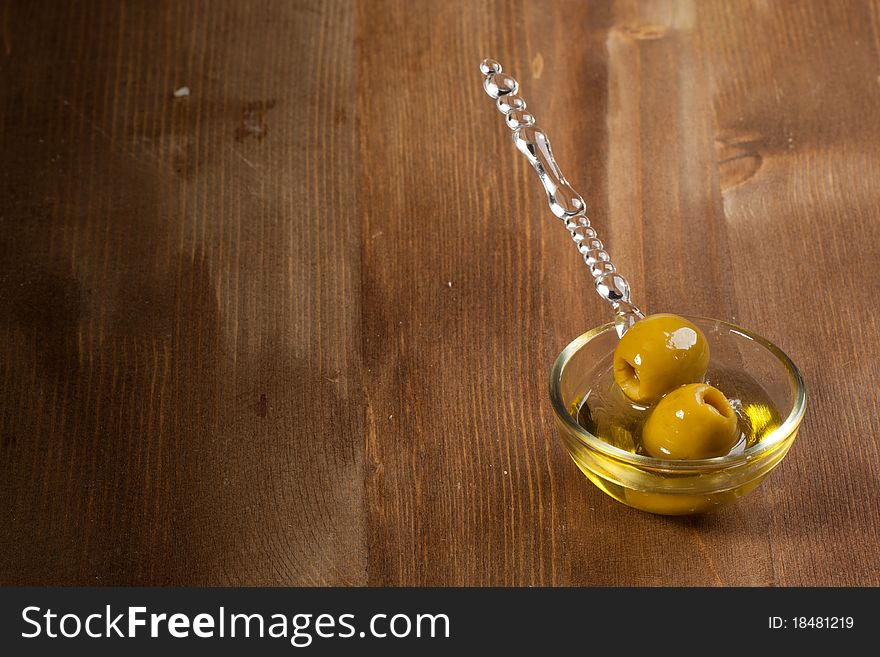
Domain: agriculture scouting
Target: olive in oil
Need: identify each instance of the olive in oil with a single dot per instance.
(609, 415)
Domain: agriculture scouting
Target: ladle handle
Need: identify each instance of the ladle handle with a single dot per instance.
(565, 203)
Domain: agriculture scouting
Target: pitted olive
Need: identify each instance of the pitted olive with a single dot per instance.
(657, 354)
(694, 421)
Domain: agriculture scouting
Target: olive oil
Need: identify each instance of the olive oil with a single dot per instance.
(609, 415)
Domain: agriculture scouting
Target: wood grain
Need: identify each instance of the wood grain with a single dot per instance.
(295, 327)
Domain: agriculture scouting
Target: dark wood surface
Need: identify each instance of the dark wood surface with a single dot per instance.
(296, 327)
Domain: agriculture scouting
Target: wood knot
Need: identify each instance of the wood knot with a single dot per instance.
(738, 157)
(645, 32)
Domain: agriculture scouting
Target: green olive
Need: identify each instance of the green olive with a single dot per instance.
(694, 421)
(657, 354)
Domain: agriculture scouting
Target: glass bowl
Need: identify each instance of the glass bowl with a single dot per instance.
(678, 487)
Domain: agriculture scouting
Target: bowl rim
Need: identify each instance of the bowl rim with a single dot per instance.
(769, 443)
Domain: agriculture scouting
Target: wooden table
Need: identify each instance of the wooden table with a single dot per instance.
(295, 327)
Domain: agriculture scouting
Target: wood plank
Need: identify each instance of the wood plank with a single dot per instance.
(804, 221)
(180, 277)
(456, 341)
